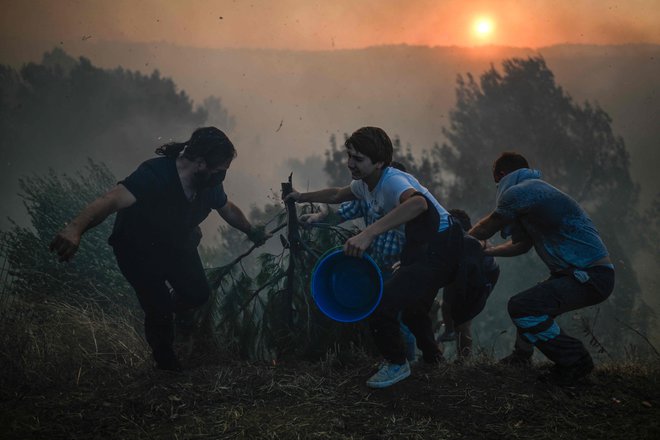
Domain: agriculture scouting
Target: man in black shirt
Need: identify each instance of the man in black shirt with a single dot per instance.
(155, 236)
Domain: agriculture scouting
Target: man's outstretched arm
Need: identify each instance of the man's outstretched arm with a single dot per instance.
(233, 215)
(510, 248)
(409, 208)
(488, 226)
(67, 241)
(328, 195)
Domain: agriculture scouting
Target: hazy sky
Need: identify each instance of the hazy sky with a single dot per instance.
(328, 24)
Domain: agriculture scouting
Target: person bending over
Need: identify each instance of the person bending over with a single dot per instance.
(155, 236)
(428, 259)
(535, 213)
(466, 297)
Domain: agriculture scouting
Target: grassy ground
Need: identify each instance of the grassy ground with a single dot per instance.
(81, 387)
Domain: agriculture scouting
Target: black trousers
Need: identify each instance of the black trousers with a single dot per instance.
(411, 292)
(148, 273)
(533, 311)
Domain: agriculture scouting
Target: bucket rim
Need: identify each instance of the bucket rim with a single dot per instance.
(337, 250)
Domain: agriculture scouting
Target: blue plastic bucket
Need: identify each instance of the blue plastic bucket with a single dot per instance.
(346, 289)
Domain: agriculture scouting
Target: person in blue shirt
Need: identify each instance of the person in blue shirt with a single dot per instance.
(534, 213)
(385, 250)
(428, 259)
(155, 235)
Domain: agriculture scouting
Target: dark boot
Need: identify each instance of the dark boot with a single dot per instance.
(432, 359)
(569, 375)
(518, 358)
(167, 360)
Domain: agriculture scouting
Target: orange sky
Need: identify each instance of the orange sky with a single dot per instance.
(328, 24)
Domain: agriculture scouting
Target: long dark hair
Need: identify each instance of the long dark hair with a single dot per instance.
(208, 143)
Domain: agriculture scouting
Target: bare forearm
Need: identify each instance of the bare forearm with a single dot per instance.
(67, 241)
(509, 249)
(233, 215)
(403, 213)
(406, 211)
(480, 231)
(328, 195)
(92, 215)
(488, 226)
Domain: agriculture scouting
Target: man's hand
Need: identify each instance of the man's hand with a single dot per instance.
(293, 195)
(488, 226)
(358, 244)
(66, 243)
(306, 220)
(258, 235)
(509, 249)
(487, 247)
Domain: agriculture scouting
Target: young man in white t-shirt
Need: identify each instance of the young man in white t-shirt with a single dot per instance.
(429, 258)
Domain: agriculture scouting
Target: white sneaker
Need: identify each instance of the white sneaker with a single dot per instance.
(389, 374)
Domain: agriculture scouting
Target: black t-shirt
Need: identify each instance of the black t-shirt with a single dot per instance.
(474, 281)
(481, 270)
(162, 218)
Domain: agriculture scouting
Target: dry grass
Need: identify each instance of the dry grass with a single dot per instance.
(57, 344)
(117, 394)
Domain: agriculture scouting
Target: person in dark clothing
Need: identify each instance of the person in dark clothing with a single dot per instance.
(466, 297)
(534, 213)
(428, 259)
(156, 233)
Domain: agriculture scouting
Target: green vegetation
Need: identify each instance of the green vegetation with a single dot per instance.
(93, 275)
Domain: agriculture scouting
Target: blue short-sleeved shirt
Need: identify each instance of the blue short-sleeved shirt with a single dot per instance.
(563, 234)
(162, 217)
(385, 196)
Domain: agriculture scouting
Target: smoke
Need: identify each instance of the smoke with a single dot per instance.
(282, 107)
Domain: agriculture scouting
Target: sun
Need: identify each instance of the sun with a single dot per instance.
(483, 27)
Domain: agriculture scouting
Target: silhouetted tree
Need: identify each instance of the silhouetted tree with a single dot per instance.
(58, 112)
